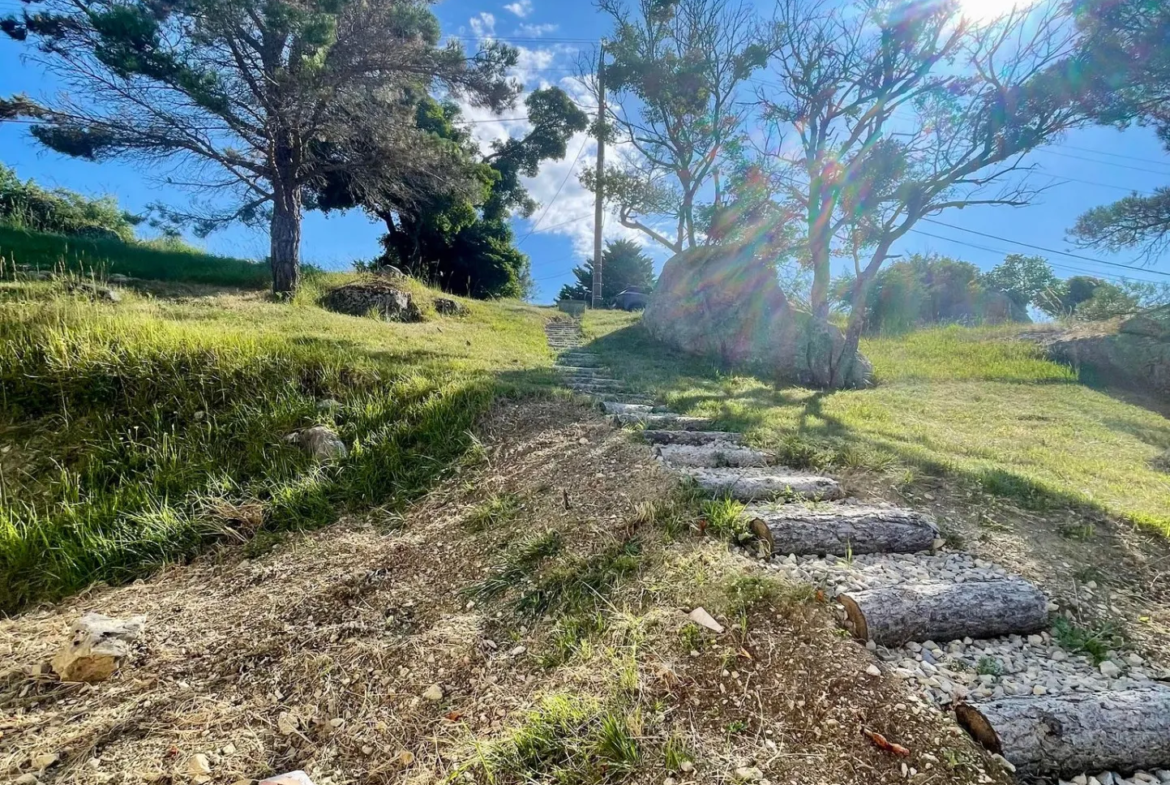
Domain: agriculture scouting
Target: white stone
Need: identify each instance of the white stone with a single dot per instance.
(1109, 669)
(873, 670)
(433, 693)
(700, 617)
(198, 765)
(748, 774)
(97, 648)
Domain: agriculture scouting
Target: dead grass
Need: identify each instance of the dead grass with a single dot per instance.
(316, 655)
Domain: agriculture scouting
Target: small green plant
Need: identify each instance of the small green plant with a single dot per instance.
(518, 564)
(495, 511)
(736, 726)
(692, 637)
(580, 584)
(571, 637)
(675, 753)
(1096, 642)
(989, 666)
(1078, 531)
(724, 519)
(617, 742)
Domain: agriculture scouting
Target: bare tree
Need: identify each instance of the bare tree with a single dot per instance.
(883, 113)
(262, 99)
(674, 95)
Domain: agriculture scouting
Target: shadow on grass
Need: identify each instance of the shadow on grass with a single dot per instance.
(823, 441)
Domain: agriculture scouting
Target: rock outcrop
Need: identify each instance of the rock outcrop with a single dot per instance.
(97, 648)
(373, 295)
(445, 306)
(1136, 357)
(723, 303)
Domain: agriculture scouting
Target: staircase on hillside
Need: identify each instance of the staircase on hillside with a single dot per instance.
(900, 594)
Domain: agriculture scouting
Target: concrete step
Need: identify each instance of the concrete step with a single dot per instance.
(664, 421)
(712, 455)
(692, 437)
(580, 370)
(624, 407)
(754, 485)
(842, 529)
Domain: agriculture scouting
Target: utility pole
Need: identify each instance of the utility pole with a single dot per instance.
(598, 194)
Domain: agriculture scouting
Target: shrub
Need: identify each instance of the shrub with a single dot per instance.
(26, 205)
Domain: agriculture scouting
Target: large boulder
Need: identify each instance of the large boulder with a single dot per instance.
(1137, 357)
(1154, 323)
(373, 295)
(723, 303)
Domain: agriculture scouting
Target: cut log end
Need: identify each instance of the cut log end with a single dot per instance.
(759, 527)
(854, 618)
(973, 721)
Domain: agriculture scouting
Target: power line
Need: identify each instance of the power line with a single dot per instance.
(568, 174)
(1145, 170)
(1114, 155)
(1048, 250)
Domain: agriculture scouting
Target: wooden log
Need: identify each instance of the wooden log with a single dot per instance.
(665, 420)
(842, 530)
(1068, 735)
(757, 485)
(945, 611)
(692, 437)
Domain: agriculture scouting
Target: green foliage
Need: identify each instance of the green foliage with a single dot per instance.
(724, 518)
(1096, 642)
(496, 511)
(518, 564)
(624, 266)
(141, 432)
(571, 637)
(155, 260)
(989, 666)
(928, 290)
(1121, 74)
(1025, 279)
(25, 205)
(581, 583)
(567, 739)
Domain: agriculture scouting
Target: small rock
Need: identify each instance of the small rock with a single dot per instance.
(291, 778)
(1004, 762)
(230, 749)
(198, 765)
(1109, 669)
(405, 758)
(516, 652)
(26, 779)
(320, 442)
(669, 781)
(703, 619)
(286, 724)
(1039, 690)
(42, 762)
(748, 774)
(686, 766)
(433, 693)
(97, 648)
(873, 670)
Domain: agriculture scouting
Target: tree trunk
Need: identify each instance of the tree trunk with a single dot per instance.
(842, 366)
(843, 530)
(1068, 735)
(286, 243)
(945, 611)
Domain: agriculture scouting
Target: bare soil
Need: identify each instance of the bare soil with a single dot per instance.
(316, 654)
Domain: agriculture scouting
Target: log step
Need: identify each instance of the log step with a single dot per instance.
(941, 611)
(617, 407)
(1066, 735)
(692, 437)
(712, 455)
(665, 420)
(758, 485)
(579, 370)
(840, 530)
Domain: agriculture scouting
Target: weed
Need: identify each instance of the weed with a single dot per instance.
(571, 637)
(692, 637)
(675, 753)
(1097, 642)
(1077, 531)
(578, 585)
(736, 727)
(518, 564)
(989, 666)
(725, 519)
(617, 744)
(497, 510)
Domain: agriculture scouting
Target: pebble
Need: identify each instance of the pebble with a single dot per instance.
(433, 693)
(686, 766)
(748, 774)
(873, 670)
(1109, 669)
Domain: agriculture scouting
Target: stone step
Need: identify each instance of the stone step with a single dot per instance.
(625, 397)
(692, 437)
(841, 529)
(580, 370)
(664, 421)
(712, 455)
(752, 485)
(597, 384)
(613, 407)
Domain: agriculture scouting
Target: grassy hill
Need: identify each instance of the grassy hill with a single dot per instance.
(132, 435)
(975, 404)
(103, 257)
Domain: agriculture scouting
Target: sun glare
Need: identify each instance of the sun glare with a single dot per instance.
(986, 10)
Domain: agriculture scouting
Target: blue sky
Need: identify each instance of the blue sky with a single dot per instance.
(1088, 167)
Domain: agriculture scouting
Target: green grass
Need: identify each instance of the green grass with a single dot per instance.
(134, 435)
(961, 402)
(1096, 642)
(156, 261)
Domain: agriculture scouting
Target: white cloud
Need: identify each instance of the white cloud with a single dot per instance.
(536, 31)
(520, 8)
(484, 25)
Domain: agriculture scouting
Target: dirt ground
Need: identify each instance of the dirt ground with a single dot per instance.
(317, 654)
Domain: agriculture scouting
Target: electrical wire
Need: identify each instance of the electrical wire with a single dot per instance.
(572, 169)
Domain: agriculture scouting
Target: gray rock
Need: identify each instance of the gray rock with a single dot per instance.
(373, 295)
(320, 442)
(94, 290)
(719, 302)
(448, 307)
(97, 648)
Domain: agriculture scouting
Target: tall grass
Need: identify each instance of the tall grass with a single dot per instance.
(139, 433)
(156, 260)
